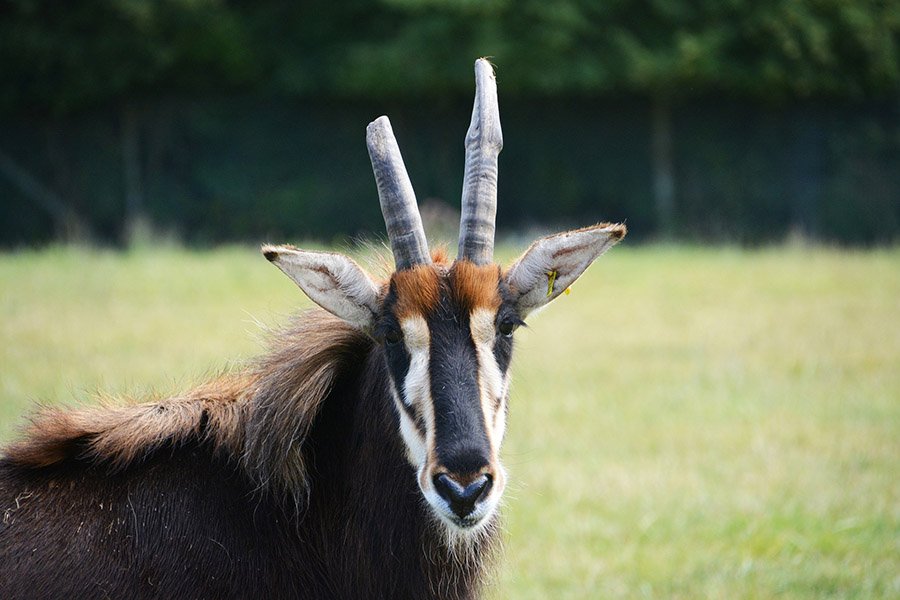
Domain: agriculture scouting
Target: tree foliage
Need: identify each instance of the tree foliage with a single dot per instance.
(65, 56)
(224, 119)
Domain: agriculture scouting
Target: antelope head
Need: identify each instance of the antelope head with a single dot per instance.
(446, 330)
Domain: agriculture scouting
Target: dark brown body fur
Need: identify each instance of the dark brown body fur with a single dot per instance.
(268, 485)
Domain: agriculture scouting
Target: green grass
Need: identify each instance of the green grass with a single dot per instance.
(688, 423)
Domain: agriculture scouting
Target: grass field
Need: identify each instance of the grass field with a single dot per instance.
(688, 423)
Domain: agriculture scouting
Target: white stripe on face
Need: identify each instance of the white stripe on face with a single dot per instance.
(492, 382)
(417, 390)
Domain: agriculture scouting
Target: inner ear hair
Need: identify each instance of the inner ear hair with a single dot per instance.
(331, 280)
(551, 264)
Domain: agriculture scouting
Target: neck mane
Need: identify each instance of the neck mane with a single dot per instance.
(259, 416)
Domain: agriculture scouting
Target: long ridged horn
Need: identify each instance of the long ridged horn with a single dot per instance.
(395, 192)
(484, 141)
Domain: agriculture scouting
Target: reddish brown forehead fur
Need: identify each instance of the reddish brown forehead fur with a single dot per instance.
(475, 286)
(418, 290)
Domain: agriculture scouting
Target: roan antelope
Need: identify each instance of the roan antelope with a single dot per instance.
(358, 459)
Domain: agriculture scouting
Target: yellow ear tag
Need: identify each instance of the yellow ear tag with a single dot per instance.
(568, 291)
(551, 279)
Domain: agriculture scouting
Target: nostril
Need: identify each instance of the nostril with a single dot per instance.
(447, 487)
(478, 488)
(462, 499)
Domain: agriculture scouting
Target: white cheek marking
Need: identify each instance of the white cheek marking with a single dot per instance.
(417, 390)
(415, 333)
(415, 444)
(481, 322)
(492, 383)
(500, 415)
(417, 340)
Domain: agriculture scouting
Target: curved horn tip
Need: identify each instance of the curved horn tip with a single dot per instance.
(483, 142)
(378, 131)
(378, 123)
(485, 126)
(483, 66)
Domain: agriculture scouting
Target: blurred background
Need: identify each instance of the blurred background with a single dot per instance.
(714, 412)
(211, 120)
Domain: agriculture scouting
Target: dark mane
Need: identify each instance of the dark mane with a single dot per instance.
(258, 417)
(288, 387)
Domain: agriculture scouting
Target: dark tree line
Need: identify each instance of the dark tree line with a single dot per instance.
(59, 60)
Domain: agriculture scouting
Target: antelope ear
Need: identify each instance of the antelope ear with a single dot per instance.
(554, 262)
(331, 280)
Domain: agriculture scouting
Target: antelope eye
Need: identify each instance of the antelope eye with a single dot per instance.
(506, 328)
(392, 337)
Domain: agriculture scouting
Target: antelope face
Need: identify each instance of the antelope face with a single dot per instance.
(446, 335)
(447, 338)
(446, 330)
